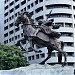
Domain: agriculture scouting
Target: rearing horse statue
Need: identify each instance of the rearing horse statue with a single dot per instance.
(42, 35)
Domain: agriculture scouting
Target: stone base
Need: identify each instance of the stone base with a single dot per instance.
(36, 69)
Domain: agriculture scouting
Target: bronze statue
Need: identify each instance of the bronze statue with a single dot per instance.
(41, 34)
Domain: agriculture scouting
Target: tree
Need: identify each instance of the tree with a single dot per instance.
(11, 57)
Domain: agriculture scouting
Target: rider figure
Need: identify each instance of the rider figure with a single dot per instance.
(45, 27)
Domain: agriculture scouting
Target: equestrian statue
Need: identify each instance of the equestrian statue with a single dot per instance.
(41, 34)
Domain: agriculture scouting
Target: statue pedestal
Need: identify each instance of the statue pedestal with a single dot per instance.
(36, 69)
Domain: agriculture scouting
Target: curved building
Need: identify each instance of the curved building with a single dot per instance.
(63, 13)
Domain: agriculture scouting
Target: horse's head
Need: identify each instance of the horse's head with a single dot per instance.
(24, 18)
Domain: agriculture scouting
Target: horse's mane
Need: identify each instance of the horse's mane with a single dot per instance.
(29, 16)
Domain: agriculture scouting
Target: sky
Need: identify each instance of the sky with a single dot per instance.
(1, 19)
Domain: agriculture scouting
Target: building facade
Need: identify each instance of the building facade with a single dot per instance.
(63, 13)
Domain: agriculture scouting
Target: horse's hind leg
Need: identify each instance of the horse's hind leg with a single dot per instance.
(64, 53)
(60, 54)
(59, 57)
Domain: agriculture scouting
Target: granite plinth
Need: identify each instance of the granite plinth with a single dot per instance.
(36, 69)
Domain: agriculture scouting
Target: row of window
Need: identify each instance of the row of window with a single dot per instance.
(17, 6)
(10, 18)
(22, 3)
(61, 15)
(58, 15)
(42, 55)
(66, 34)
(11, 25)
(58, 6)
(69, 44)
(64, 24)
(13, 38)
(11, 32)
(39, 56)
(9, 0)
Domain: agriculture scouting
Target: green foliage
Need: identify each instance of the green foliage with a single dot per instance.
(11, 57)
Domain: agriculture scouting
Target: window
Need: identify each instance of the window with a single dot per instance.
(6, 7)
(53, 54)
(16, 7)
(11, 3)
(60, 15)
(16, 15)
(6, 41)
(29, 58)
(28, 0)
(40, 17)
(73, 0)
(25, 9)
(23, 2)
(74, 7)
(10, 40)
(42, 55)
(70, 64)
(67, 34)
(5, 28)
(18, 36)
(68, 44)
(37, 56)
(58, 6)
(6, 1)
(21, 34)
(11, 10)
(22, 10)
(70, 53)
(60, 23)
(6, 34)
(39, 9)
(32, 13)
(6, 14)
(11, 25)
(15, 37)
(17, 29)
(11, 32)
(33, 57)
(16, 0)
(22, 26)
(12, 16)
(40, 0)
(31, 4)
(9, 18)
(68, 25)
(4, 21)
(36, 2)
(28, 7)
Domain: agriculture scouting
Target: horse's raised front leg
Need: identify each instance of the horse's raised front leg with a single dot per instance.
(31, 48)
